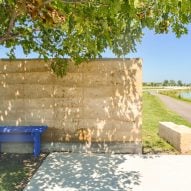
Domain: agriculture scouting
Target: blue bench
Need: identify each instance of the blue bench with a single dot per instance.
(23, 134)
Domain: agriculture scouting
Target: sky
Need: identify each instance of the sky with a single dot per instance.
(165, 57)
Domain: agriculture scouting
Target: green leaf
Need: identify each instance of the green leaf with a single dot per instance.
(82, 31)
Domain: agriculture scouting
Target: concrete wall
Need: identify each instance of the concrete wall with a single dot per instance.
(96, 102)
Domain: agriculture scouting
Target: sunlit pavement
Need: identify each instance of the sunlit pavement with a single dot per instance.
(74, 171)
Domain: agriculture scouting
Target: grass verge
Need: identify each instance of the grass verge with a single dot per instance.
(17, 169)
(176, 94)
(153, 112)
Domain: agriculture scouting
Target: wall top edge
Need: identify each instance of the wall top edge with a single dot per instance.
(98, 59)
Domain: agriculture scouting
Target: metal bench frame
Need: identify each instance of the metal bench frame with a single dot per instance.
(23, 134)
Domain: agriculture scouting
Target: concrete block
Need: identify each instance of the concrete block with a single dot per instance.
(15, 117)
(97, 79)
(15, 122)
(40, 103)
(114, 133)
(127, 109)
(68, 113)
(128, 131)
(49, 123)
(39, 115)
(73, 68)
(130, 92)
(68, 102)
(67, 92)
(36, 65)
(77, 147)
(7, 66)
(70, 125)
(61, 134)
(39, 78)
(94, 67)
(101, 108)
(178, 136)
(70, 80)
(110, 130)
(12, 91)
(126, 114)
(11, 104)
(98, 92)
(12, 78)
(38, 91)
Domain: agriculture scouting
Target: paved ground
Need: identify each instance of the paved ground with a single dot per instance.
(180, 107)
(104, 172)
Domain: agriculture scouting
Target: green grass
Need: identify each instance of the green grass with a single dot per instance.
(12, 174)
(153, 112)
(17, 169)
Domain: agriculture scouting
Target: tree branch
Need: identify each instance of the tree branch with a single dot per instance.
(68, 1)
(12, 22)
(76, 2)
(8, 37)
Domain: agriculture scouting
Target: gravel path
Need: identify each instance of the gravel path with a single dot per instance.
(180, 107)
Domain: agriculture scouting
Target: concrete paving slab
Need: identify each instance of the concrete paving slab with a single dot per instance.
(104, 172)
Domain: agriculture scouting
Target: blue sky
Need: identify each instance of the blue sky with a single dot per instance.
(164, 57)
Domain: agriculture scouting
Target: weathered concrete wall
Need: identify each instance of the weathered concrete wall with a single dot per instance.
(97, 102)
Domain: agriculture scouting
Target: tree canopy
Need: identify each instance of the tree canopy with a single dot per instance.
(83, 29)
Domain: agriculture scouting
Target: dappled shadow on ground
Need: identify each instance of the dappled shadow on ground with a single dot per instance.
(85, 172)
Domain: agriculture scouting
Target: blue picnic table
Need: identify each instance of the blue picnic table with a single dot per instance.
(23, 134)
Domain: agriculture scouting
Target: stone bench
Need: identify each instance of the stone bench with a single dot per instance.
(178, 136)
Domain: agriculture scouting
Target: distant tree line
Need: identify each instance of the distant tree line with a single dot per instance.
(167, 83)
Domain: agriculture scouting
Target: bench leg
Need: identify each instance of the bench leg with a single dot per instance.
(36, 151)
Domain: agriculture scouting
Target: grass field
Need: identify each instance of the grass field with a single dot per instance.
(153, 112)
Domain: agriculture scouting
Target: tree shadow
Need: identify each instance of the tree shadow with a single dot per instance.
(84, 172)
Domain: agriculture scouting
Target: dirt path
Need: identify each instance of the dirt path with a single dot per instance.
(180, 107)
